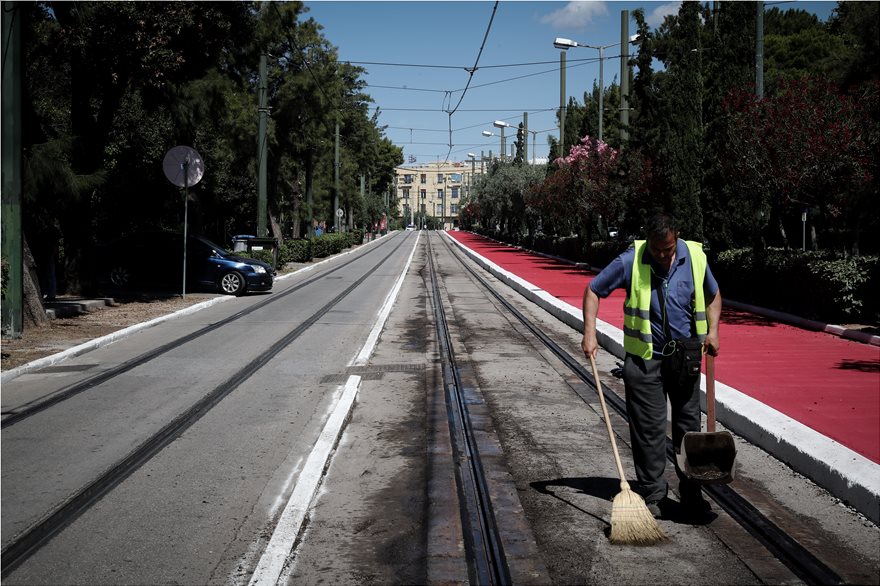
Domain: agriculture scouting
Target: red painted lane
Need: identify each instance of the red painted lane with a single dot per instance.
(829, 384)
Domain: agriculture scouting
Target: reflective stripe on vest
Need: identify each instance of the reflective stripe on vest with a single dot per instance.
(637, 338)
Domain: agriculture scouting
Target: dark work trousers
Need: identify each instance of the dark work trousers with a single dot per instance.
(646, 393)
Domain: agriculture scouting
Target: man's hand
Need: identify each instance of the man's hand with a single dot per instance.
(711, 345)
(591, 309)
(589, 344)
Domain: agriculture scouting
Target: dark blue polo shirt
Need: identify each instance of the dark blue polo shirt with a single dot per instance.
(678, 286)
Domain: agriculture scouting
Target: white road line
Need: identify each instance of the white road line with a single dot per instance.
(274, 558)
(370, 344)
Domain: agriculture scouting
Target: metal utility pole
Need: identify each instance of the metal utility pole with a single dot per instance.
(13, 298)
(364, 192)
(759, 51)
(525, 137)
(336, 181)
(624, 77)
(261, 147)
(601, 89)
(562, 103)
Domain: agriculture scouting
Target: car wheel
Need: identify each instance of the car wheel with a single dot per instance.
(120, 276)
(232, 283)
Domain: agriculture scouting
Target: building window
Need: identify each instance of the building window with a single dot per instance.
(407, 178)
(440, 209)
(424, 194)
(439, 194)
(424, 208)
(406, 193)
(455, 177)
(454, 192)
(423, 178)
(439, 177)
(453, 208)
(406, 211)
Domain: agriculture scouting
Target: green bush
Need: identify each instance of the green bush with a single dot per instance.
(299, 250)
(263, 255)
(815, 285)
(328, 244)
(602, 253)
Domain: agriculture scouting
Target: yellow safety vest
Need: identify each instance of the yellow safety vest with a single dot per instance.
(637, 338)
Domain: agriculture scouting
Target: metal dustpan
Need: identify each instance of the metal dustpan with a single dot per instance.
(708, 457)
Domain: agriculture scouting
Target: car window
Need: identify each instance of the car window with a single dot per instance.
(207, 248)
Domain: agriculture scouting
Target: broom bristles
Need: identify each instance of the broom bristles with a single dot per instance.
(631, 521)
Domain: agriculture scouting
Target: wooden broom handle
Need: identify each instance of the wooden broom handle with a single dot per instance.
(710, 393)
(623, 481)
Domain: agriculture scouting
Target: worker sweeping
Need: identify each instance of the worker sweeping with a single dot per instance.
(671, 315)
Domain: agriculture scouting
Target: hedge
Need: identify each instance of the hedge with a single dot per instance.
(814, 285)
(299, 250)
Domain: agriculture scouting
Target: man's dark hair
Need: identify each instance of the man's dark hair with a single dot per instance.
(659, 224)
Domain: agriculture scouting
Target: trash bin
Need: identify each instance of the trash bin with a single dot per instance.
(240, 242)
(270, 244)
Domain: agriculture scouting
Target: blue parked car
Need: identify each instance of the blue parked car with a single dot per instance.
(154, 260)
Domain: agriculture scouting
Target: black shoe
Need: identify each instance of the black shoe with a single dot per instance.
(695, 508)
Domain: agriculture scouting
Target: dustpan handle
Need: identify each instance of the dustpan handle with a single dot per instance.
(623, 483)
(710, 393)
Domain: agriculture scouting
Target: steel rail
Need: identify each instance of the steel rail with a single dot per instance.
(483, 545)
(76, 388)
(802, 562)
(29, 542)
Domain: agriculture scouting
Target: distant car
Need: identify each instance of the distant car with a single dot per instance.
(154, 260)
(410, 227)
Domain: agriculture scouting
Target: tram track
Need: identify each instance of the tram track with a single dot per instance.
(15, 416)
(803, 563)
(485, 552)
(29, 541)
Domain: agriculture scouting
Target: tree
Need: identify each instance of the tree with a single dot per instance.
(804, 148)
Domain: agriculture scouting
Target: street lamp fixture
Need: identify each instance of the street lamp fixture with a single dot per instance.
(502, 125)
(561, 43)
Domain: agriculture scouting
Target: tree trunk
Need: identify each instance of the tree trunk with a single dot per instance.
(276, 228)
(782, 233)
(310, 203)
(33, 312)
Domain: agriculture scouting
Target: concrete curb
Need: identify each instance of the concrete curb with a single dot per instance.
(843, 472)
(8, 375)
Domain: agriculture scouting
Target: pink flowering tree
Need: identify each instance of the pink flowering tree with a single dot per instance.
(583, 179)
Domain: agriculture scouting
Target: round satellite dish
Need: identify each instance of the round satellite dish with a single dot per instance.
(183, 166)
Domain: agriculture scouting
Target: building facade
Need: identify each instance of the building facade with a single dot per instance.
(434, 190)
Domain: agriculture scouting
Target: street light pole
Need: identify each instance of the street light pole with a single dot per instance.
(565, 44)
(601, 88)
(562, 101)
(473, 159)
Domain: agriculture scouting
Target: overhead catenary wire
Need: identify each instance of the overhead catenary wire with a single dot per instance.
(471, 73)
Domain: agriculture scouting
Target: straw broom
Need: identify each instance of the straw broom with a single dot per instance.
(631, 521)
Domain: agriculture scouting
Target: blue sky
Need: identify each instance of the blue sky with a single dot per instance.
(517, 66)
